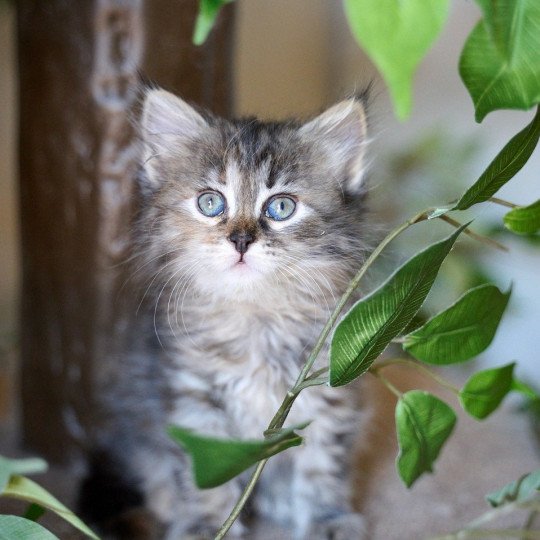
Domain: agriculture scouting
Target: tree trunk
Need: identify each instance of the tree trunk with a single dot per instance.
(79, 66)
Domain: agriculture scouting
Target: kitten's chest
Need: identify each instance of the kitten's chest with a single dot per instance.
(251, 361)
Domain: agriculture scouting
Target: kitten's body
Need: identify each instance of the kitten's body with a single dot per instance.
(235, 319)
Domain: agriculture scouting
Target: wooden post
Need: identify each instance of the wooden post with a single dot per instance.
(79, 64)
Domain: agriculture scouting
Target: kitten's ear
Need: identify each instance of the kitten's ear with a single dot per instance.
(340, 135)
(167, 124)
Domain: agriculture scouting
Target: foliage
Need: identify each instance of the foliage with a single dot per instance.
(500, 66)
(15, 486)
(383, 28)
(215, 461)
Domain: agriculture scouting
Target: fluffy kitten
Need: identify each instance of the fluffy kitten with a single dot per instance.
(249, 232)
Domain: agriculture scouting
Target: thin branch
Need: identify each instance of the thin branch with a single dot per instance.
(475, 236)
(233, 516)
(502, 202)
(406, 361)
(387, 383)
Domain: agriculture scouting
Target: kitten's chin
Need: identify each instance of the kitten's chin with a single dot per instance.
(239, 281)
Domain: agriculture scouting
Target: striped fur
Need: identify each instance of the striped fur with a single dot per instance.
(231, 337)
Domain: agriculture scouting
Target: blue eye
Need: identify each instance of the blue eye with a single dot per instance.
(211, 203)
(280, 208)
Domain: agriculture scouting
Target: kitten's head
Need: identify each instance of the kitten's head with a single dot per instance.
(240, 209)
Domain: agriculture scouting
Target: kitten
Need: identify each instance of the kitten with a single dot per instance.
(248, 234)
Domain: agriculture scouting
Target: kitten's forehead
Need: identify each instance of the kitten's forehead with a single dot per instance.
(258, 160)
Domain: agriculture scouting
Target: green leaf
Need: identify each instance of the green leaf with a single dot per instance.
(524, 220)
(216, 461)
(423, 424)
(378, 318)
(34, 512)
(19, 466)
(208, 12)
(462, 331)
(504, 167)
(25, 489)
(500, 62)
(520, 490)
(485, 390)
(14, 527)
(396, 35)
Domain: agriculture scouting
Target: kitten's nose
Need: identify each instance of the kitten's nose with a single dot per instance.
(241, 241)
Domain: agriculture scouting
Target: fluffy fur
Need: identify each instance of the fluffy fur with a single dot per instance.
(226, 332)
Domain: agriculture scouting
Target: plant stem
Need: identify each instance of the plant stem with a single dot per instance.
(405, 361)
(502, 202)
(241, 501)
(387, 383)
(281, 415)
(472, 234)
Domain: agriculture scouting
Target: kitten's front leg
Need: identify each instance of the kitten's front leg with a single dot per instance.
(322, 476)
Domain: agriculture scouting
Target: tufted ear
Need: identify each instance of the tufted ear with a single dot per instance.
(339, 135)
(168, 124)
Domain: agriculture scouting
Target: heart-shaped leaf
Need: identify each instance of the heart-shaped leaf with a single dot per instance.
(520, 490)
(485, 390)
(524, 220)
(423, 424)
(396, 35)
(24, 489)
(14, 527)
(216, 461)
(378, 318)
(462, 331)
(500, 62)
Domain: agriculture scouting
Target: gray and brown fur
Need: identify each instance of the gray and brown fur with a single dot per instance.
(229, 339)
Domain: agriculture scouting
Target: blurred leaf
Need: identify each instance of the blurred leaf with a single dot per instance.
(208, 12)
(25, 489)
(524, 220)
(376, 319)
(423, 424)
(462, 331)
(525, 389)
(34, 512)
(505, 165)
(500, 62)
(19, 466)
(485, 390)
(18, 528)
(519, 490)
(216, 461)
(396, 35)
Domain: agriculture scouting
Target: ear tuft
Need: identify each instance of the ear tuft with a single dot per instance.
(340, 133)
(168, 124)
(167, 116)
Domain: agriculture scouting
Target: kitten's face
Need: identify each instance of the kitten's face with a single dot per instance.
(248, 210)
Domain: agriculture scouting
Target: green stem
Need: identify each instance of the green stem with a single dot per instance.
(281, 415)
(405, 361)
(387, 383)
(233, 516)
(524, 389)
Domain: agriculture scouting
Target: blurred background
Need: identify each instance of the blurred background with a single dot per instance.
(295, 58)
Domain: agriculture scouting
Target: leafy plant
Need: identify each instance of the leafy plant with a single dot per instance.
(15, 486)
(500, 66)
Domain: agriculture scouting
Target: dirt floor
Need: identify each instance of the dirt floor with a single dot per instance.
(479, 458)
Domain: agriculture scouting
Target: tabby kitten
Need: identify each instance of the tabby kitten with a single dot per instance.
(248, 234)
